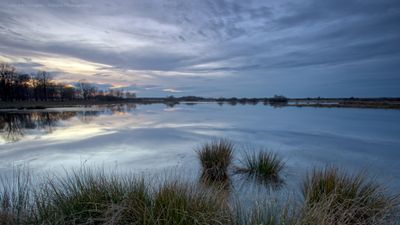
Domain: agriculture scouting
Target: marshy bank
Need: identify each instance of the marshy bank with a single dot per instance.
(276, 101)
(93, 196)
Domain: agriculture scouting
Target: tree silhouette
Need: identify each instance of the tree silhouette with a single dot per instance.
(15, 86)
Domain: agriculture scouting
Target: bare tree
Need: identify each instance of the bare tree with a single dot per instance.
(130, 95)
(15, 86)
(87, 90)
(7, 76)
(43, 79)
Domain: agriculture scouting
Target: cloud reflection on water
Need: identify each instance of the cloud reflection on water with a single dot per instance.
(148, 137)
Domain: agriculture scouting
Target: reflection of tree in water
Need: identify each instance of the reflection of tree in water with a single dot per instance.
(278, 104)
(121, 108)
(13, 125)
(10, 126)
(87, 116)
(171, 104)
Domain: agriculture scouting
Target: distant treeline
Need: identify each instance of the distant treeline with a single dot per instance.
(16, 86)
(280, 101)
(277, 100)
(273, 99)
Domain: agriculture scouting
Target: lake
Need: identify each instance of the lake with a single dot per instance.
(156, 138)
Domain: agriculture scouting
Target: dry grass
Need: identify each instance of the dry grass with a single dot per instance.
(263, 212)
(15, 196)
(81, 197)
(172, 203)
(94, 197)
(334, 197)
(88, 197)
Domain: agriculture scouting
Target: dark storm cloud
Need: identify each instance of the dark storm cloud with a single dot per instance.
(219, 43)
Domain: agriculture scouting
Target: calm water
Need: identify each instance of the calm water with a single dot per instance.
(160, 138)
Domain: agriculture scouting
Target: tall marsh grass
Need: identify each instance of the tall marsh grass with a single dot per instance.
(215, 158)
(333, 196)
(15, 198)
(92, 197)
(262, 212)
(263, 165)
(82, 196)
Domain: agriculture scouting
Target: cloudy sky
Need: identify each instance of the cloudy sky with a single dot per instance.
(210, 47)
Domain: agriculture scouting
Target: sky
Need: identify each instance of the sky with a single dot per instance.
(252, 48)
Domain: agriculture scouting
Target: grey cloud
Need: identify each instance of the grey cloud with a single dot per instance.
(235, 38)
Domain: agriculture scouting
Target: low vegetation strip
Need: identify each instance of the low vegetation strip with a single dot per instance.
(172, 101)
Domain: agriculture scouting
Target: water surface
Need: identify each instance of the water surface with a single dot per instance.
(159, 137)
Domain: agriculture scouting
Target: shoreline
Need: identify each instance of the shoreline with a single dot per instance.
(371, 103)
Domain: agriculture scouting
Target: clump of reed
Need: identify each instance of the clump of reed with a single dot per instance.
(82, 196)
(15, 196)
(189, 205)
(170, 203)
(263, 212)
(334, 197)
(94, 197)
(263, 165)
(215, 158)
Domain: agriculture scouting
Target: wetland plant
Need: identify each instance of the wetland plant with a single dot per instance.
(215, 158)
(332, 196)
(263, 165)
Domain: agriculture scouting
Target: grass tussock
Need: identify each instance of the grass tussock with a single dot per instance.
(263, 165)
(171, 203)
(82, 197)
(87, 197)
(215, 158)
(335, 197)
(189, 205)
(15, 196)
(263, 212)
